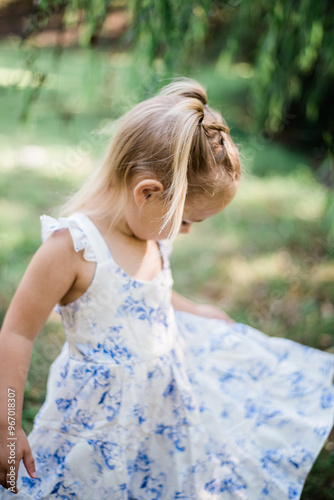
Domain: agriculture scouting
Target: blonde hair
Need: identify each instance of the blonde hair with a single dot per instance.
(173, 137)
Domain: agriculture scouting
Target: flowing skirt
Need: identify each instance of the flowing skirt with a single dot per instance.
(262, 410)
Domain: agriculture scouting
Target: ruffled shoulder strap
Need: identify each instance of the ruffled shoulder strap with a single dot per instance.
(87, 237)
(84, 234)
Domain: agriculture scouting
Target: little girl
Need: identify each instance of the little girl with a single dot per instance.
(153, 396)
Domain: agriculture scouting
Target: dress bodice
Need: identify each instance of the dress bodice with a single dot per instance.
(119, 318)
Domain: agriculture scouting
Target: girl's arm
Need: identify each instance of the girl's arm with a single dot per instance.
(50, 274)
(180, 303)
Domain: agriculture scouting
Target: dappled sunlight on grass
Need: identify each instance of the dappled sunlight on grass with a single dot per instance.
(283, 196)
(20, 78)
(323, 273)
(15, 216)
(267, 267)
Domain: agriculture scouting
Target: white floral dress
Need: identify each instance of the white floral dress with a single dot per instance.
(147, 403)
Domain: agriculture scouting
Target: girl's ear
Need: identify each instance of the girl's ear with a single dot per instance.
(146, 190)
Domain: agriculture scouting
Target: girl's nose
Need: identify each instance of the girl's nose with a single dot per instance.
(185, 228)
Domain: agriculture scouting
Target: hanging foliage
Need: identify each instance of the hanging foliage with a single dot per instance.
(171, 31)
(293, 58)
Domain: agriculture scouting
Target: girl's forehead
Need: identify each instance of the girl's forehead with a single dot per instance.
(202, 203)
(201, 207)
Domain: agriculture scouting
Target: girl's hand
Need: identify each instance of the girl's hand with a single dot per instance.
(20, 449)
(180, 303)
(209, 311)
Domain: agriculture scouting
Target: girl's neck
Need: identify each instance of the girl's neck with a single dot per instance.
(105, 225)
(140, 259)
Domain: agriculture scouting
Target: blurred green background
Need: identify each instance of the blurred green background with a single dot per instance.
(68, 68)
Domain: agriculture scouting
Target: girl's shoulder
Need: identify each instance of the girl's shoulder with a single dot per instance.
(69, 233)
(70, 247)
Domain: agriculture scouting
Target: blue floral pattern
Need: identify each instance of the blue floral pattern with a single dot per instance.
(148, 403)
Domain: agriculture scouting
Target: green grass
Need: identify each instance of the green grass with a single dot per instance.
(268, 259)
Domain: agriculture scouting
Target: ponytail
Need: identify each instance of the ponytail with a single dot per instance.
(188, 114)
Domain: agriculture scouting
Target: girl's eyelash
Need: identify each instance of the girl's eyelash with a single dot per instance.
(184, 222)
